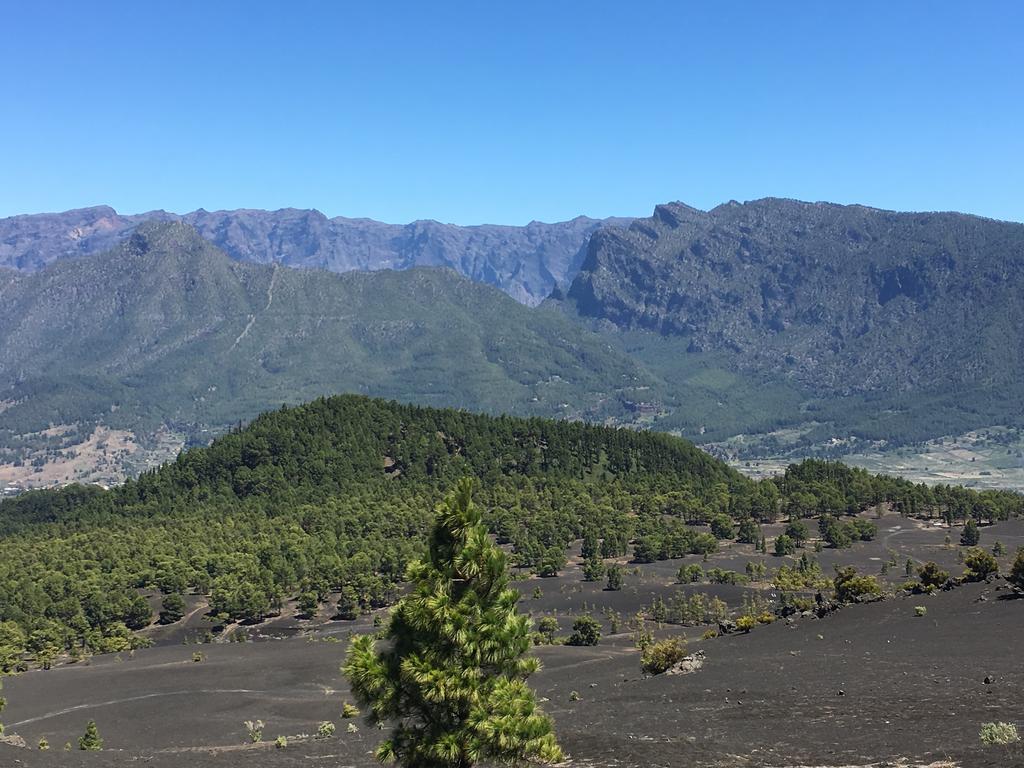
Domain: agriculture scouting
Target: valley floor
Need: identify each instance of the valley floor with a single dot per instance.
(871, 684)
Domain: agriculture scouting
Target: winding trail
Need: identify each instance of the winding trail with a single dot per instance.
(252, 318)
(113, 702)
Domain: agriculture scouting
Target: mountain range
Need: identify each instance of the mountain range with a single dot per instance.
(907, 319)
(834, 323)
(526, 262)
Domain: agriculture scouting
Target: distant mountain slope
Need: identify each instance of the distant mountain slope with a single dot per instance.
(842, 300)
(525, 262)
(167, 329)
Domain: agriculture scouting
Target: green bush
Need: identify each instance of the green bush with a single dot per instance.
(784, 546)
(931, 577)
(585, 631)
(980, 565)
(325, 729)
(254, 729)
(849, 586)
(1016, 577)
(547, 627)
(746, 623)
(689, 574)
(999, 734)
(661, 656)
(90, 741)
(614, 578)
(920, 610)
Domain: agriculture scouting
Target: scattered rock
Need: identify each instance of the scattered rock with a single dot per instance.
(13, 739)
(689, 664)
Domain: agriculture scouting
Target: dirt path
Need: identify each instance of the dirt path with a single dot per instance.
(128, 699)
(252, 318)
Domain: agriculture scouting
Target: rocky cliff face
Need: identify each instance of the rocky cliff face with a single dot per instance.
(841, 298)
(525, 262)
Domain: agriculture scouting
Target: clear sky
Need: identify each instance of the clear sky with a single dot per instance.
(509, 111)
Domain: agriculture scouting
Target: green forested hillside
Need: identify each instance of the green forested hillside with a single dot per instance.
(166, 329)
(335, 496)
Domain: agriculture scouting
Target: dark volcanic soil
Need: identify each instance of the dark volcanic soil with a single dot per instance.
(868, 684)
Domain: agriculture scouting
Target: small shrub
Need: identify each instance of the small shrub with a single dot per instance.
(43, 744)
(574, 696)
(325, 730)
(593, 568)
(709, 634)
(1016, 577)
(999, 734)
(546, 628)
(662, 656)
(849, 586)
(281, 742)
(352, 728)
(254, 728)
(689, 574)
(980, 565)
(931, 577)
(614, 578)
(90, 741)
(585, 631)
(348, 711)
(920, 610)
(746, 623)
(198, 657)
(784, 545)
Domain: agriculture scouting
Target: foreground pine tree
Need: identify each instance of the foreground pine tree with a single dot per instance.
(452, 670)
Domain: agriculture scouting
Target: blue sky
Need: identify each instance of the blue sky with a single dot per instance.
(510, 111)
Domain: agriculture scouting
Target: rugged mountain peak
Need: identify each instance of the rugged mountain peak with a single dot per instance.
(841, 298)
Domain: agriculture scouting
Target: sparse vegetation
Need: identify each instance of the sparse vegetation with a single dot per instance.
(585, 631)
(1016, 575)
(980, 565)
(850, 587)
(614, 582)
(999, 734)
(254, 730)
(90, 741)
(660, 657)
(325, 730)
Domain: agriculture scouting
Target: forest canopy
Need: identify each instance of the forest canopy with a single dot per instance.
(335, 496)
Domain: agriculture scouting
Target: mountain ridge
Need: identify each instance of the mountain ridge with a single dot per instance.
(526, 262)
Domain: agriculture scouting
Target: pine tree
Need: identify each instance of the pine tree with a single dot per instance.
(90, 741)
(453, 670)
(970, 535)
(1016, 577)
(614, 578)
